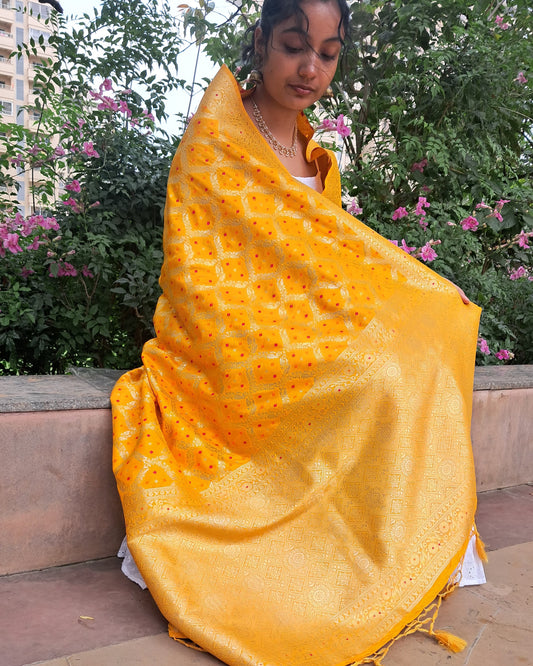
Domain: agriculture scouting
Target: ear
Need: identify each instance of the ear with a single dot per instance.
(259, 43)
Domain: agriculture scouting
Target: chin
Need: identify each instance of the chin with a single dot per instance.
(299, 103)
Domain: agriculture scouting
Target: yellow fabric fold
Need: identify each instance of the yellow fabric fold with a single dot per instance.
(293, 457)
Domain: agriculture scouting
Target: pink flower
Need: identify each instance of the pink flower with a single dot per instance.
(497, 209)
(74, 186)
(423, 222)
(11, 243)
(342, 128)
(521, 78)
(501, 203)
(149, 116)
(108, 103)
(421, 204)
(124, 108)
(26, 272)
(327, 124)
(73, 204)
(469, 223)
(50, 223)
(427, 253)
(408, 249)
(59, 151)
(500, 23)
(504, 355)
(27, 226)
(399, 213)
(34, 244)
(518, 273)
(394, 242)
(481, 205)
(107, 84)
(523, 239)
(337, 124)
(354, 208)
(420, 166)
(483, 346)
(86, 272)
(88, 149)
(65, 269)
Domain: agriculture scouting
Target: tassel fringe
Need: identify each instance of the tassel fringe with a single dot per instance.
(423, 624)
(453, 643)
(427, 617)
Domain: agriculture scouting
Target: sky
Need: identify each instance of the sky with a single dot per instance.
(177, 101)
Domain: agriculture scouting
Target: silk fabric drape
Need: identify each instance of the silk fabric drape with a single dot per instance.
(293, 457)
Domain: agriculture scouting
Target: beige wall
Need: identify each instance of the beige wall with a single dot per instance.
(60, 503)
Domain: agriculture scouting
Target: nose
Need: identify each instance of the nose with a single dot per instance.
(308, 64)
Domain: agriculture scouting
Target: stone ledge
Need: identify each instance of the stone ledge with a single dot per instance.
(502, 377)
(89, 388)
(86, 389)
(59, 497)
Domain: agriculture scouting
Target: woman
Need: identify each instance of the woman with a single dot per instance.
(293, 457)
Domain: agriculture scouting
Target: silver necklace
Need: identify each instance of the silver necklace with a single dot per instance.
(282, 150)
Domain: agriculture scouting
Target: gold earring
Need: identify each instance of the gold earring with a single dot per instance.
(328, 93)
(255, 77)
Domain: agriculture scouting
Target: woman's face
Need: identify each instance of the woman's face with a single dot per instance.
(299, 64)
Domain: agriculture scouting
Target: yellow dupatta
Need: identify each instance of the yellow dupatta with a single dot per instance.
(293, 458)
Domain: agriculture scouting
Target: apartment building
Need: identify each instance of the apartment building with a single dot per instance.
(19, 21)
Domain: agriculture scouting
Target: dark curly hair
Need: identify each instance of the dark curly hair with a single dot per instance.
(276, 11)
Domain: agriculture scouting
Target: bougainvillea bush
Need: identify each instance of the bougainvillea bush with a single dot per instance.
(79, 276)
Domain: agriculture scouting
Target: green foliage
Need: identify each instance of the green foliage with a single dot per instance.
(437, 96)
(438, 109)
(82, 290)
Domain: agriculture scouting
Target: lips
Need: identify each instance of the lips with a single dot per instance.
(301, 89)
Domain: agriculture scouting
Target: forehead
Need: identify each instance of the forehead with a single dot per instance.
(318, 20)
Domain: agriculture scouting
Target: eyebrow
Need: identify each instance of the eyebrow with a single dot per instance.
(299, 31)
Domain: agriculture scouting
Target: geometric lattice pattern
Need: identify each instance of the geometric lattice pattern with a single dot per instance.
(297, 440)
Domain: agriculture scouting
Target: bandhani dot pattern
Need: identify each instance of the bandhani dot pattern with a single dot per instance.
(293, 456)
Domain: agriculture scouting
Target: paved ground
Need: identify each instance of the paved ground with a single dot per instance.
(91, 615)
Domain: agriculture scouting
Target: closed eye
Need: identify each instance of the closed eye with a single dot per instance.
(293, 49)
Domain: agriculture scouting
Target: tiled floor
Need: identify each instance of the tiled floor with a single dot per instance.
(91, 615)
